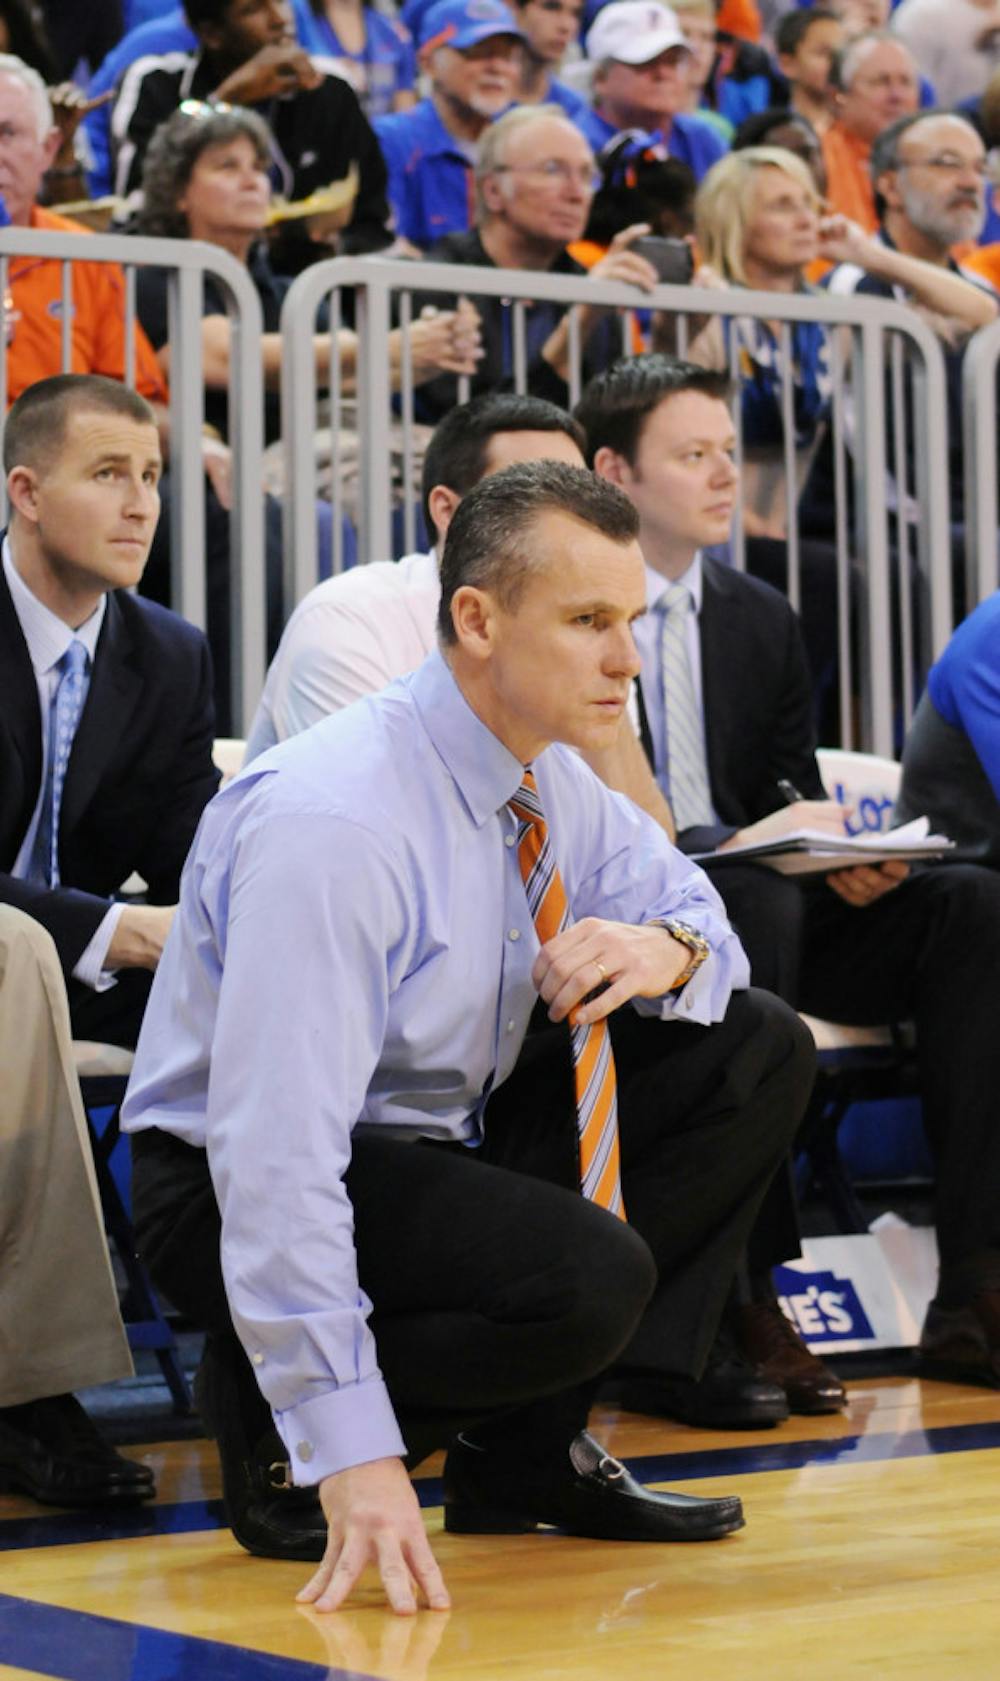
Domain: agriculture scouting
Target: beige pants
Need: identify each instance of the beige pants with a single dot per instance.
(60, 1328)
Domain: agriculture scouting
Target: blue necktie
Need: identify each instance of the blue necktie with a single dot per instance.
(67, 704)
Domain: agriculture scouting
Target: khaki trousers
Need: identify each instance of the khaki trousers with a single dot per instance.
(60, 1328)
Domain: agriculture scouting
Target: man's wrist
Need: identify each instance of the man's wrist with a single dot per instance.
(694, 943)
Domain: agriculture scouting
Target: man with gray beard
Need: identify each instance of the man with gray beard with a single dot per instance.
(929, 174)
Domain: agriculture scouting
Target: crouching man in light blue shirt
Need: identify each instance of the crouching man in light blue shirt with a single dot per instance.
(339, 1035)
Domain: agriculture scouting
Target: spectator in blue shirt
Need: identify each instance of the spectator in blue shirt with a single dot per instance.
(951, 761)
(550, 26)
(373, 51)
(641, 82)
(471, 50)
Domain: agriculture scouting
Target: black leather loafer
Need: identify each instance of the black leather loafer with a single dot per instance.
(584, 1491)
(52, 1450)
(267, 1515)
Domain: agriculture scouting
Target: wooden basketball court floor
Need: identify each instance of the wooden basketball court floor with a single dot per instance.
(872, 1549)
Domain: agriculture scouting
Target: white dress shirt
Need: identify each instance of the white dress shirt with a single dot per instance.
(349, 637)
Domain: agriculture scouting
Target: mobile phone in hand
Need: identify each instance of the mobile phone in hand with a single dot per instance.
(672, 258)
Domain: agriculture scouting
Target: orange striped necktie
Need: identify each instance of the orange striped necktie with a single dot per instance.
(593, 1059)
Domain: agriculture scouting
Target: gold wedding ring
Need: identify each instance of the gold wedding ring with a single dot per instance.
(601, 970)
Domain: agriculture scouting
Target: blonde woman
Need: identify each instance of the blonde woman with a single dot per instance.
(759, 222)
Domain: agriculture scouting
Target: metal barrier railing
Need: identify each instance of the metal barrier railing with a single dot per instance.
(979, 456)
(903, 601)
(186, 263)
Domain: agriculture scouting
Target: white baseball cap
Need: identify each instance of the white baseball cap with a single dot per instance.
(633, 32)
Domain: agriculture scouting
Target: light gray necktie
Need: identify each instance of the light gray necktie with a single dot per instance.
(687, 765)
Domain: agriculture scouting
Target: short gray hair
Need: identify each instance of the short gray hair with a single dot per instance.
(30, 79)
(173, 152)
(488, 545)
(490, 153)
(848, 62)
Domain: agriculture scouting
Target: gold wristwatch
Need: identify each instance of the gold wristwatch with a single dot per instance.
(696, 944)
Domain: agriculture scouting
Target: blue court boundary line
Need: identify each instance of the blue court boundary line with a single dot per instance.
(58, 1529)
(82, 1646)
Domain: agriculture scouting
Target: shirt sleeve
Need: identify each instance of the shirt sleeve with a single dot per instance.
(329, 657)
(294, 1048)
(622, 867)
(91, 966)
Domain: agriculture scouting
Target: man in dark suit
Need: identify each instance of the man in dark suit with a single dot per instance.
(727, 700)
(83, 461)
(105, 766)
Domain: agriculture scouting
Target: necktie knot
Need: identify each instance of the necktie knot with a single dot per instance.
(525, 804)
(73, 662)
(676, 596)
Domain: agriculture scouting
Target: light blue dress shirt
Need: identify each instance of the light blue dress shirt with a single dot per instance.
(353, 949)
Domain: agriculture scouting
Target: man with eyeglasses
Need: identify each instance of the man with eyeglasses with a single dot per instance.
(877, 82)
(928, 173)
(535, 180)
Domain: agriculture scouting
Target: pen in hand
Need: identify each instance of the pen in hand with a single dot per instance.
(789, 792)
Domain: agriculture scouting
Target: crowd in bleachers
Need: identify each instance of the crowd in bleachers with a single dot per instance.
(413, 135)
(769, 147)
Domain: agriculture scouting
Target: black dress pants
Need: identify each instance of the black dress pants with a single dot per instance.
(494, 1282)
(925, 952)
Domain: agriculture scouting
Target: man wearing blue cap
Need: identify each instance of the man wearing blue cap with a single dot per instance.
(472, 52)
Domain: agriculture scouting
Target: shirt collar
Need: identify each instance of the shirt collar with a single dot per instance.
(47, 636)
(433, 138)
(657, 584)
(485, 772)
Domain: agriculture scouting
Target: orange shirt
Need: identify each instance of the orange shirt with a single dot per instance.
(848, 187)
(33, 320)
(982, 259)
(740, 17)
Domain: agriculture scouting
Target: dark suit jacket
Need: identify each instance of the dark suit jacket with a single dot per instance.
(140, 772)
(758, 703)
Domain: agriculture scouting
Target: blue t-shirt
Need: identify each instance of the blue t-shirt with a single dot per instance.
(385, 66)
(430, 174)
(691, 139)
(965, 684)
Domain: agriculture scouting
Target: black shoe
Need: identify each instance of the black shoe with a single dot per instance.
(267, 1515)
(730, 1395)
(52, 1450)
(962, 1344)
(489, 1492)
(774, 1346)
